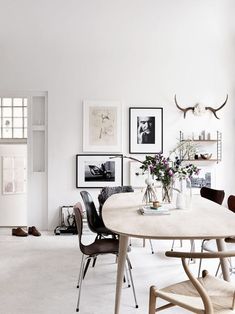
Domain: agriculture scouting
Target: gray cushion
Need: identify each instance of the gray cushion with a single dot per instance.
(107, 191)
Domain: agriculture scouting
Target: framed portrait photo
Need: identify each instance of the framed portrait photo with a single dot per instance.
(145, 130)
(102, 126)
(97, 171)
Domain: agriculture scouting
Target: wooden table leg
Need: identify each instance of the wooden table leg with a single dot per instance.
(123, 243)
(223, 261)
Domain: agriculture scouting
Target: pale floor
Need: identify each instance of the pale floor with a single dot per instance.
(39, 276)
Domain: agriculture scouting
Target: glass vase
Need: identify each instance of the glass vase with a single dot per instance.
(167, 193)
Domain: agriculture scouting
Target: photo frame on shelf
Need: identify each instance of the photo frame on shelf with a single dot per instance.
(145, 130)
(206, 177)
(102, 126)
(97, 171)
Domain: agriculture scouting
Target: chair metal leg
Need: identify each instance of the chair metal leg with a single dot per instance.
(81, 270)
(127, 277)
(80, 282)
(216, 274)
(192, 249)
(200, 261)
(86, 267)
(173, 243)
(151, 246)
(143, 242)
(94, 261)
(132, 283)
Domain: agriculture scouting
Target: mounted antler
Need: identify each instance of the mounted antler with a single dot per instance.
(183, 109)
(214, 110)
(199, 109)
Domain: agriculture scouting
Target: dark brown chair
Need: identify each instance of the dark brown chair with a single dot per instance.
(231, 203)
(98, 247)
(231, 206)
(216, 196)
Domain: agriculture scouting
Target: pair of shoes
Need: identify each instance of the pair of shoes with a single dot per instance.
(19, 232)
(34, 231)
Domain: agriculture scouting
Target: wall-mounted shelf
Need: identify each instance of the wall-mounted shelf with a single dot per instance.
(217, 155)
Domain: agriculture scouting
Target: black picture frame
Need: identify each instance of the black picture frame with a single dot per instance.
(99, 170)
(145, 130)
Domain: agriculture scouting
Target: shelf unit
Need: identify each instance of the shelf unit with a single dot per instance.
(218, 141)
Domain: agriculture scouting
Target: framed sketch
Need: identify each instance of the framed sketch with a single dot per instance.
(14, 175)
(97, 171)
(206, 178)
(145, 130)
(102, 126)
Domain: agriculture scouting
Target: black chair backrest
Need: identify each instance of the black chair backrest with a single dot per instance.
(78, 218)
(93, 219)
(107, 191)
(231, 203)
(216, 196)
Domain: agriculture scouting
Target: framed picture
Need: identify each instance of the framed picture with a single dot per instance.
(102, 126)
(97, 171)
(145, 130)
(206, 178)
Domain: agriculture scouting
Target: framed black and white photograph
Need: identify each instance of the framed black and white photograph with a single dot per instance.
(205, 178)
(102, 126)
(97, 171)
(145, 130)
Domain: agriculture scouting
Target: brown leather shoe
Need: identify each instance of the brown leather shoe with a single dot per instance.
(19, 232)
(34, 231)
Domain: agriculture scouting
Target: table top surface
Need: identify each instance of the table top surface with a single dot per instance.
(203, 220)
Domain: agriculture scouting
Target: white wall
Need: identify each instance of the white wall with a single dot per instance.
(141, 52)
(13, 207)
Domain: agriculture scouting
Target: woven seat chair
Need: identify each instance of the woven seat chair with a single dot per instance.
(205, 295)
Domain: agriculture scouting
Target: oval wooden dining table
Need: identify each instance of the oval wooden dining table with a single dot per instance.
(203, 219)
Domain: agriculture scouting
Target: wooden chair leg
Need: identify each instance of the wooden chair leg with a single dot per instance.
(152, 300)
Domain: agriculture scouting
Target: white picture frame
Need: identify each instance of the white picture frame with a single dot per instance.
(97, 171)
(102, 126)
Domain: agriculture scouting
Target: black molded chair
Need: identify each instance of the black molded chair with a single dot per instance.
(98, 247)
(216, 196)
(95, 222)
(231, 203)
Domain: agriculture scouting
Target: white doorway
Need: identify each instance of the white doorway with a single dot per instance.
(23, 154)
